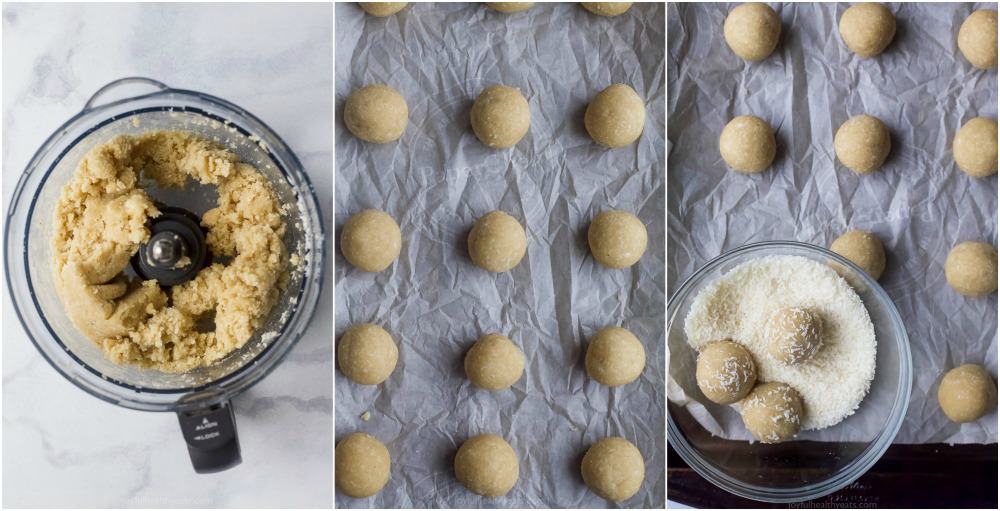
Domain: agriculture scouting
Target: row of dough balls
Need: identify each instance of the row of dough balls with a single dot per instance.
(383, 9)
(371, 240)
(487, 465)
(752, 31)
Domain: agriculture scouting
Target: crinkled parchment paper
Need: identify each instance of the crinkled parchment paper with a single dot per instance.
(437, 179)
(919, 203)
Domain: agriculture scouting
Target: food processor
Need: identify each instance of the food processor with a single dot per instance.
(201, 398)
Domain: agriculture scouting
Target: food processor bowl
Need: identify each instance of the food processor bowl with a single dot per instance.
(201, 395)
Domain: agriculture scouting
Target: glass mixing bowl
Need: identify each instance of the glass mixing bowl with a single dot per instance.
(28, 235)
(807, 467)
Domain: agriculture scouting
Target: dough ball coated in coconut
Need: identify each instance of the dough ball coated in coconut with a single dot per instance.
(487, 466)
(967, 393)
(497, 242)
(971, 268)
(975, 147)
(376, 113)
(500, 116)
(977, 38)
(509, 6)
(362, 466)
(616, 116)
(863, 249)
(382, 9)
(747, 144)
(615, 357)
(794, 335)
(613, 469)
(367, 354)
(752, 31)
(371, 240)
(867, 28)
(862, 143)
(725, 371)
(617, 239)
(494, 362)
(606, 8)
(772, 412)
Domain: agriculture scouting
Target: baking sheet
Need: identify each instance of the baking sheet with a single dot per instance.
(437, 179)
(919, 203)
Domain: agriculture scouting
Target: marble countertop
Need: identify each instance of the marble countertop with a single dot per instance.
(64, 448)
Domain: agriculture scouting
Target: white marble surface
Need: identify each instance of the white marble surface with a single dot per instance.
(64, 448)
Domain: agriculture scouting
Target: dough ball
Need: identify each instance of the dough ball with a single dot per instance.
(606, 8)
(978, 39)
(867, 29)
(376, 113)
(382, 9)
(613, 468)
(975, 147)
(362, 466)
(967, 393)
(747, 144)
(793, 334)
(500, 116)
(370, 240)
(752, 31)
(510, 6)
(497, 242)
(367, 354)
(615, 116)
(772, 412)
(617, 239)
(615, 357)
(487, 465)
(494, 362)
(725, 371)
(862, 143)
(971, 268)
(863, 249)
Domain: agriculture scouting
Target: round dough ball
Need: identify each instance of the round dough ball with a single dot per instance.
(371, 240)
(752, 31)
(863, 249)
(975, 147)
(500, 116)
(497, 242)
(867, 29)
(862, 143)
(793, 334)
(747, 144)
(362, 466)
(367, 354)
(772, 412)
(617, 239)
(725, 371)
(494, 362)
(978, 39)
(510, 6)
(613, 468)
(615, 357)
(967, 393)
(376, 113)
(616, 116)
(382, 9)
(606, 8)
(971, 268)
(487, 465)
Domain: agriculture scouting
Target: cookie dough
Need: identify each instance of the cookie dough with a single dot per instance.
(101, 219)
(367, 354)
(725, 372)
(752, 31)
(616, 116)
(615, 357)
(975, 147)
(494, 362)
(371, 240)
(382, 9)
(487, 465)
(863, 249)
(362, 466)
(967, 393)
(867, 28)
(613, 468)
(862, 143)
(510, 6)
(772, 412)
(747, 144)
(500, 116)
(606, 8)
(376, 114)
(794, 335)
(977, 38)
(617, 239)
(971, 268)
(497, 242)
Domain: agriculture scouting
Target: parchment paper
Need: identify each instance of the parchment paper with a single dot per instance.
(437, 180)
(919, 203)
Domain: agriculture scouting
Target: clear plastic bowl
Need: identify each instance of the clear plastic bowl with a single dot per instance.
(804, 468)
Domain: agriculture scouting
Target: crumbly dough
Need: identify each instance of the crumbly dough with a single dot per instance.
(867, 28)
(975, 147)
(752, 31)
(371, 240)
(794, 334)
(862, 143)
(977, 38)
(497, 242)
(487, 465)
(725, 372)
(971, 268)
(362, 465)
(101, 220)
(376, 113)
(615, 357)
(772, 412)
(616, 116)
(500, 116)
(606, 8)
(967, 393)
(509, 6)
(617, 239)
(382, 9)
(494, 362)
(613, 468)
(367, 354)
(863, 249)
(747, 144)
